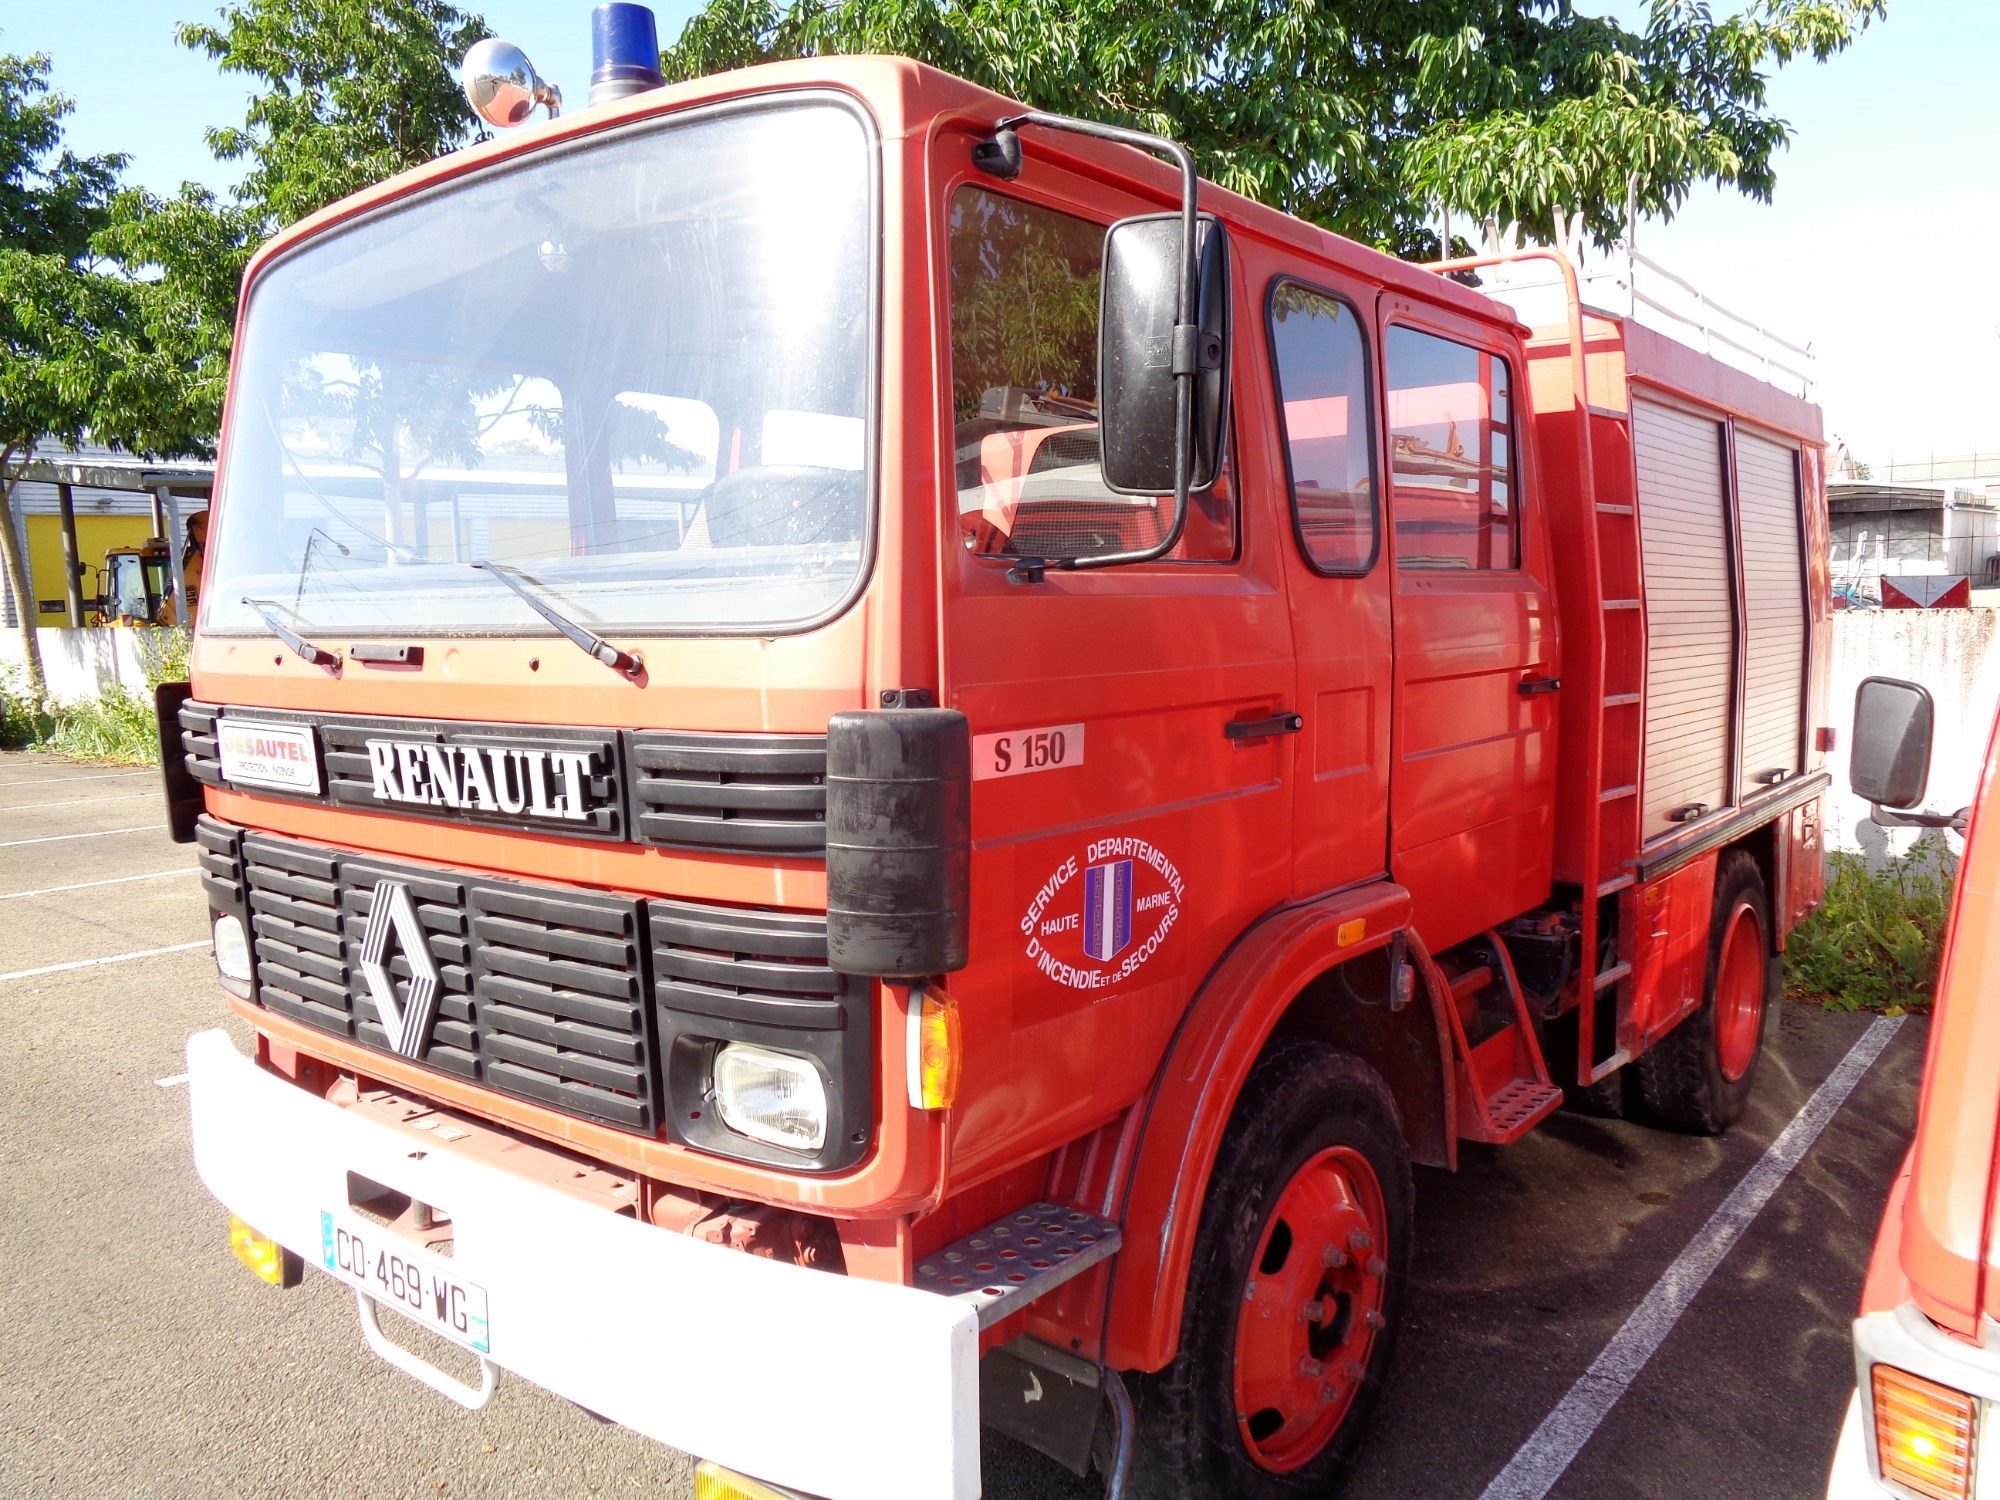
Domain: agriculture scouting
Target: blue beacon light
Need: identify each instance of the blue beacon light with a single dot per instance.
(625, 51)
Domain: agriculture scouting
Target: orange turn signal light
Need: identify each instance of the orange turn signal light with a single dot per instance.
(713, 1482)
(1924, 1434)
(270, 1260)
(940, 1050)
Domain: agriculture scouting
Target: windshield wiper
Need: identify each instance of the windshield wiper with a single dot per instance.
(319, 656)
(530, 593)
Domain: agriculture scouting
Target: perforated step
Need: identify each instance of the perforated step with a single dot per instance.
(1518, 1105)
(1006, 1265)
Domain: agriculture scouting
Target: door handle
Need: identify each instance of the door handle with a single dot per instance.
(1257, 729)
(1536, 685)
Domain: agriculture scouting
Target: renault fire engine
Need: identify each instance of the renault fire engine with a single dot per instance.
(867, 763)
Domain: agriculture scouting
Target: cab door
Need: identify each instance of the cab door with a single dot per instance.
(1132, 753)
(1472, 772)
(1326, 494)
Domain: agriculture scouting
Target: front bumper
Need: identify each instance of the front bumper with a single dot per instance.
(820, 1382)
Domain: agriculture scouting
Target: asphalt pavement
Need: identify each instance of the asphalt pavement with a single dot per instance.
(138, 1358)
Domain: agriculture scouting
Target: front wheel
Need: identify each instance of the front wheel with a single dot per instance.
(1697, 1077)
(1294, 1291)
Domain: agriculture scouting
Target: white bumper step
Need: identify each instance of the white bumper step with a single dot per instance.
(850, 1389)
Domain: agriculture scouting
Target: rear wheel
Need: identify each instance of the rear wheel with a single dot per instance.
(1294, 1291)
(1697, 1078)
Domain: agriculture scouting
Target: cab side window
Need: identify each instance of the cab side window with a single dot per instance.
(1030, 480)
(1322, 375)
(1451, 462)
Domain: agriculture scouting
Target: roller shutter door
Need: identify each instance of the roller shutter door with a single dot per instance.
(1690, 613)
(1774, 595)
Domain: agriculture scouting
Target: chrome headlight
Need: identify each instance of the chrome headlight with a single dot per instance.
(778, 1098)
(232, 956)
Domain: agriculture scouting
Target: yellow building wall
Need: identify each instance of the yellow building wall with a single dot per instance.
(94, 534)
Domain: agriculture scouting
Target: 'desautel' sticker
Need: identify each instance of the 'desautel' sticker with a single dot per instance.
(1097, 920)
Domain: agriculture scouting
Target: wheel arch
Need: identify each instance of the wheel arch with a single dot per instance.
(1279, 977)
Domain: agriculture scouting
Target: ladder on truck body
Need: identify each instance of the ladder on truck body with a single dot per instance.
(1607, 664)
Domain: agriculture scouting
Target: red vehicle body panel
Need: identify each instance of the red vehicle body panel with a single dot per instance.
(1940, 1222)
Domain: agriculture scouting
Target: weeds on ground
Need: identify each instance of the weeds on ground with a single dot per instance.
(1875, 942)
(23, 722)
(116, 726)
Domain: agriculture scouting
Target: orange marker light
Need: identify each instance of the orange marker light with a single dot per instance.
(1348, 933)
(938, 1050)
(270, 1260)
(1924, 1434)
(713, 1482)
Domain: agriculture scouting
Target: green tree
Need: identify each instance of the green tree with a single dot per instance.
(1367, 116)
(348, 92)
(58, 314)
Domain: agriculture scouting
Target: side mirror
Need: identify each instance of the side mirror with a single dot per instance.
(1890, 764)
(1135, 340)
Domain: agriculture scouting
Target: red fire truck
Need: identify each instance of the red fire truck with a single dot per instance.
(867, 765)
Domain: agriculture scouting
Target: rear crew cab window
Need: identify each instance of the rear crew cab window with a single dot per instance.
(1451, 458)
(1029, 471)
(1322, 374)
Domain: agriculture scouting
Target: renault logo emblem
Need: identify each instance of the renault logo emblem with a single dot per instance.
(393, 913)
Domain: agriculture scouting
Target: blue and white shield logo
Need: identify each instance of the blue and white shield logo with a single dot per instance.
(1107, 909)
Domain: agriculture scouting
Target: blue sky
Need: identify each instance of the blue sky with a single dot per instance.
(1874, 251)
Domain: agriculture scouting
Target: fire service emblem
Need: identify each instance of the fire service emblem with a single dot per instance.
(1097, 920)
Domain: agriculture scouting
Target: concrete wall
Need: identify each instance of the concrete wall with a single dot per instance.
(1953, 652)
(81, 664)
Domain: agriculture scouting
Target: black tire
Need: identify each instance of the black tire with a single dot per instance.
(1301, 1100)
(1681, 1081)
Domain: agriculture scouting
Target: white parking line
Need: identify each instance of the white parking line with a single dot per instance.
(65, 780)
(167, 1083)
(91, 963)
(57, 838)
(84, 885)
(1533, 1471)
(72, 802)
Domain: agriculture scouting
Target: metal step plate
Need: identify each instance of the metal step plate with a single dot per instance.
(1012, 1261)
(1520, 1104)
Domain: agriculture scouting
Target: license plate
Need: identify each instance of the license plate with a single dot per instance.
(410, 1280)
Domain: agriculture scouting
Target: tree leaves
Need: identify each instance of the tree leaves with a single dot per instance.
(350, 92)
(1367, 116)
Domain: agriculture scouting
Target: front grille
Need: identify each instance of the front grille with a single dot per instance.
(754, 792)
(204, 760)
(541, 989)
(760, 794)
(606, 1007)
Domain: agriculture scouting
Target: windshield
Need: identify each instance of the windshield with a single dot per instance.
(637, 372)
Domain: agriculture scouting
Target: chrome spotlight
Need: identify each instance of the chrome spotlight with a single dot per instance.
(502, 85)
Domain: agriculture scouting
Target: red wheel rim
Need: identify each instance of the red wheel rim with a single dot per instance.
(1739, 992)
(1311, 1310)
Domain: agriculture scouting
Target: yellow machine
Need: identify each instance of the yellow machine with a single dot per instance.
(135, 585)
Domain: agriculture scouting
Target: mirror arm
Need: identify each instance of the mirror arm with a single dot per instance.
(1187, 298)
(1889, 817)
